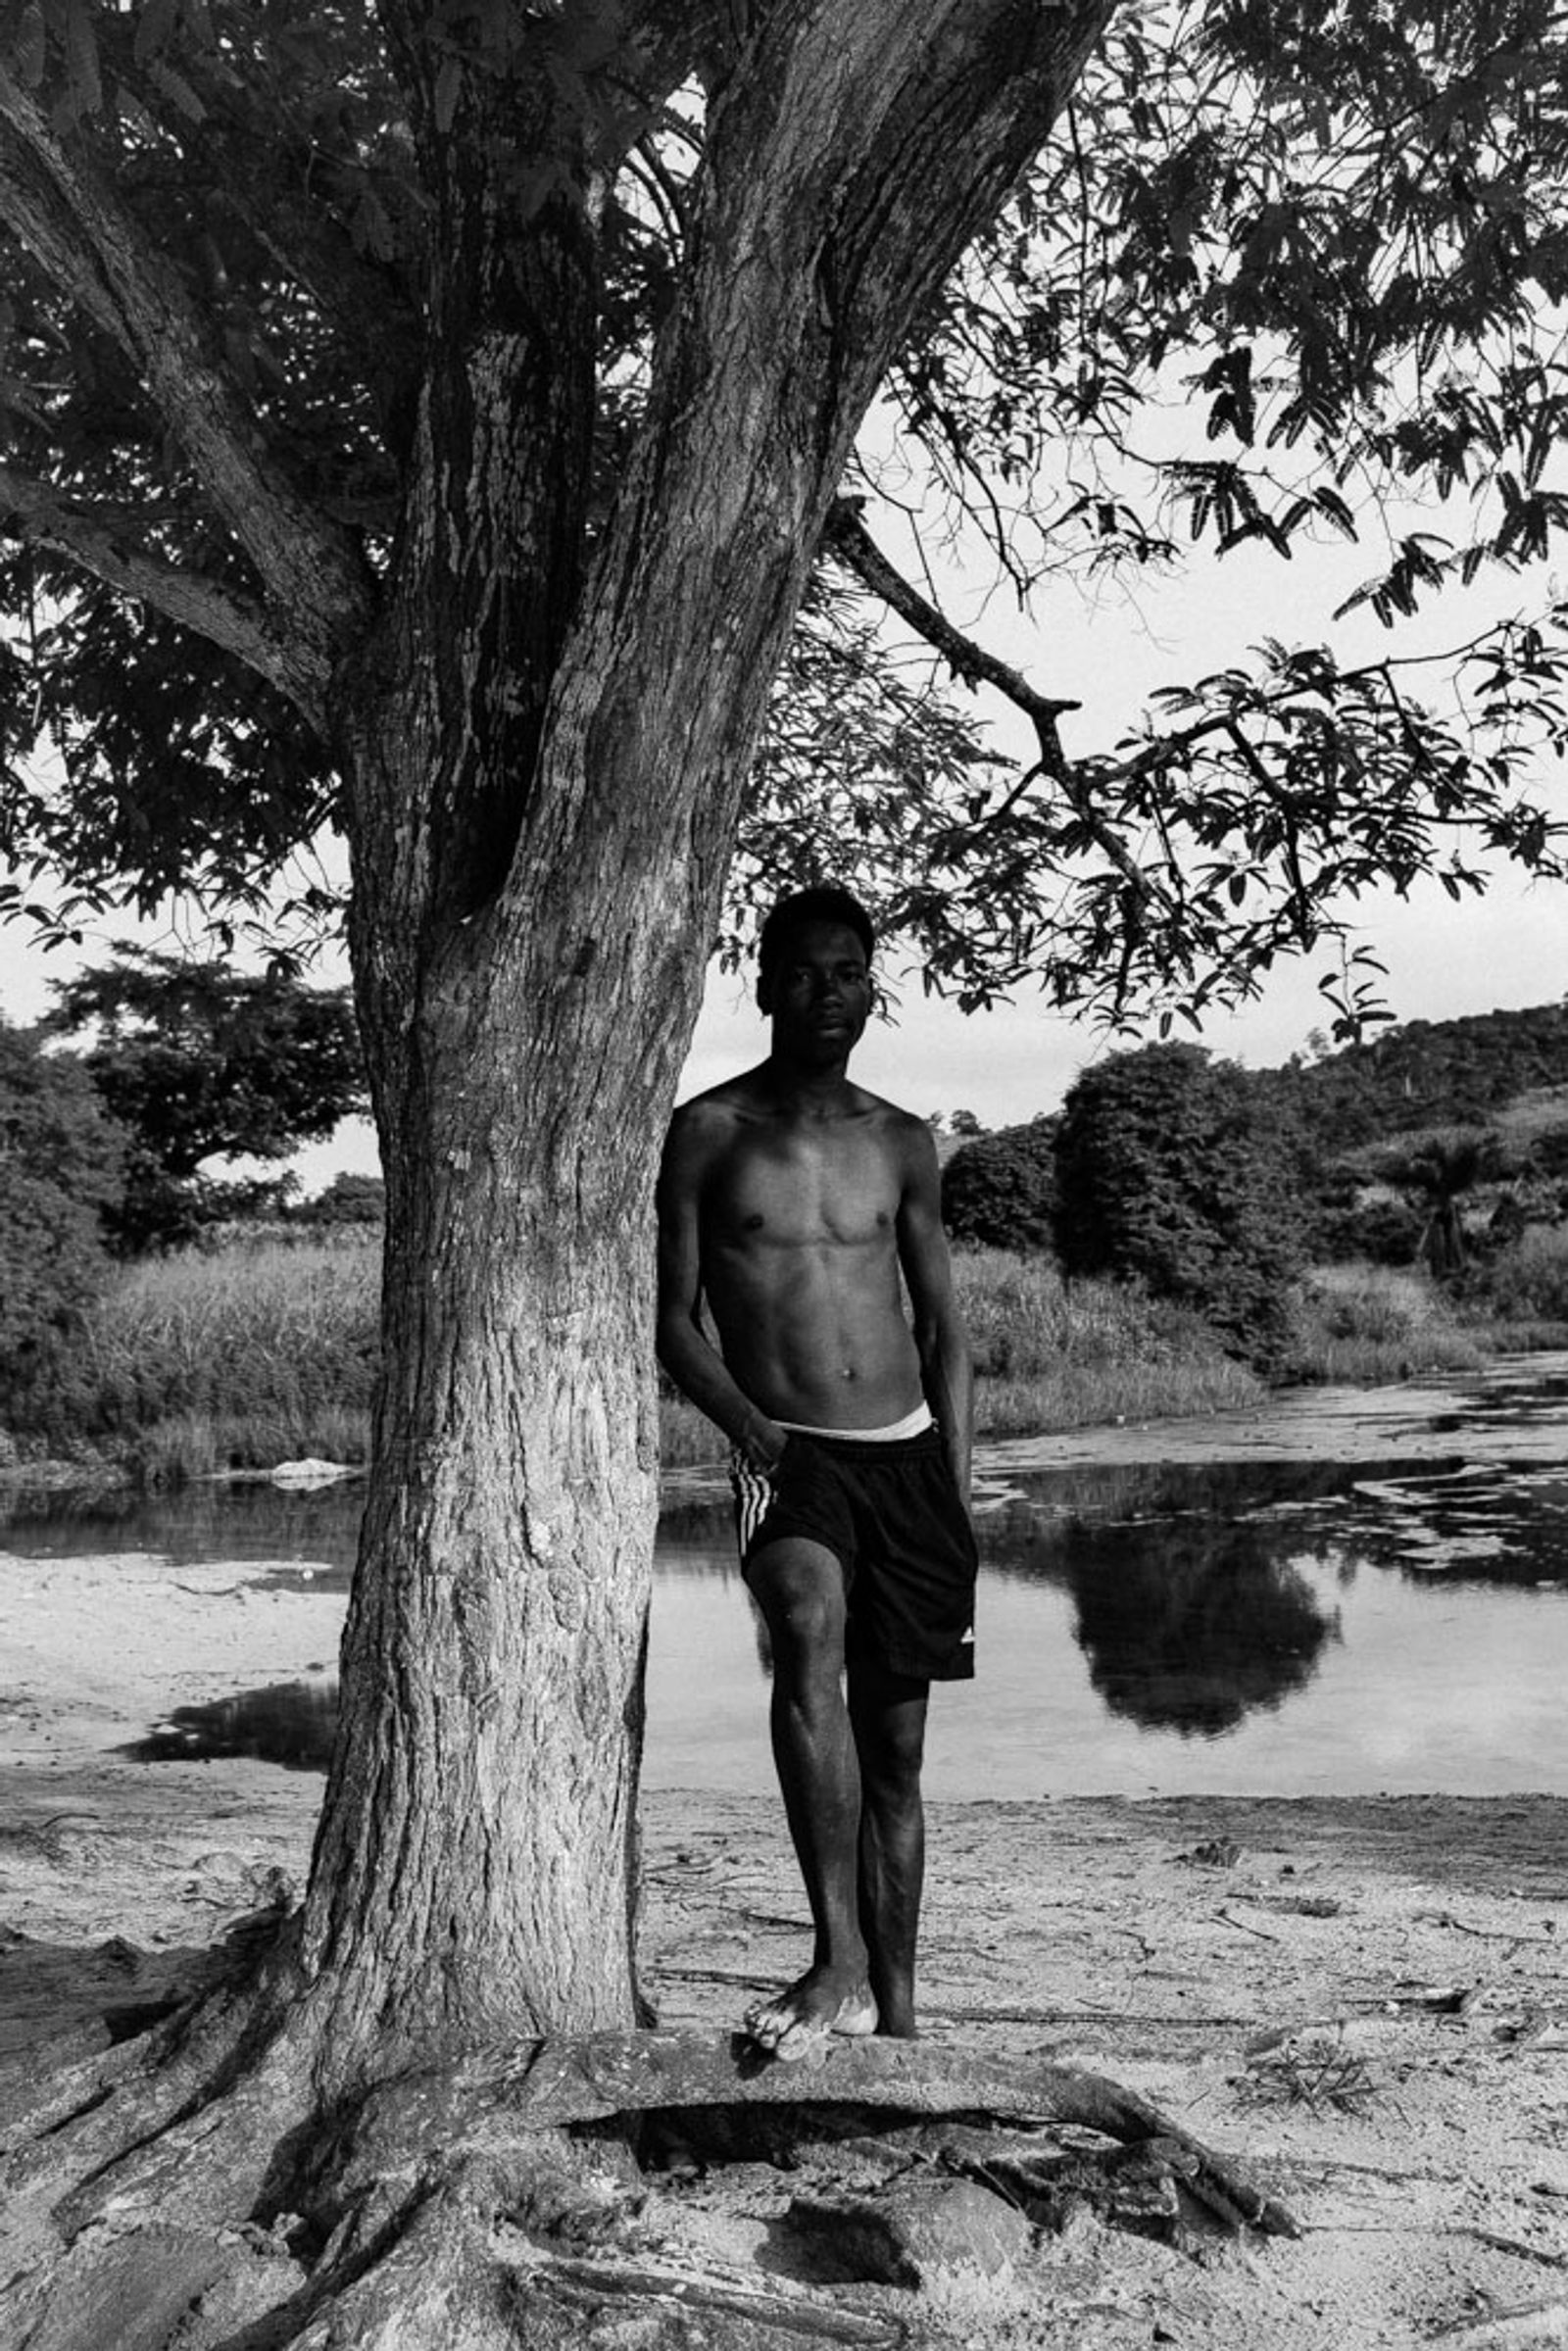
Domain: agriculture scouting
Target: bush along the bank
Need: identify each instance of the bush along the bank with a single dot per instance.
(59, 1168)
(1169, 1173)
(999, 1189)
(229, 1358)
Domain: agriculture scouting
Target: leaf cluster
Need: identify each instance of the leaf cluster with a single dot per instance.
(197, 1062)
(999, 1189)
(1168, 1174)
(1286, 270)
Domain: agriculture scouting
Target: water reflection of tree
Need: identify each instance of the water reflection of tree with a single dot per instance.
(1191, 1624)
(291, 1723)
(1191, 1609)
(251, 1519)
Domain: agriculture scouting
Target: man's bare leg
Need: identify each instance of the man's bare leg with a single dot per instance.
(800, 1589)
(887, 1713)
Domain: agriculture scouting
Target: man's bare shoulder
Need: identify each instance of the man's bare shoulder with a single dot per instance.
(905, 1132)
(711, 1120)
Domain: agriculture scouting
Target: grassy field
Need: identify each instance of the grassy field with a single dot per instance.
(266, 1351)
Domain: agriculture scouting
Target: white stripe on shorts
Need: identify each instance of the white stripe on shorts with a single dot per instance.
(754, 1491)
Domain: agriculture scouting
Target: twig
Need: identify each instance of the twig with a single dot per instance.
(1510, 2244)
(1528, 2325)
(587, 2281)
(1489, 1934)
(1231, 1920)
(848, 539)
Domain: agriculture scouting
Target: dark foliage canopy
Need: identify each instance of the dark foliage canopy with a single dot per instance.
(59, 1171)
(1169, 1173)
(199, 1062)
(1433, 1072)
(999, 1189)
(1289, 272)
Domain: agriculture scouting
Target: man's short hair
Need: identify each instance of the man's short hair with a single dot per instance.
(822, 902)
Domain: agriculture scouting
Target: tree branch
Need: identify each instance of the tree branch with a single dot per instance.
(366, 301)
(96, 252)
(103, 541)
(848, 539)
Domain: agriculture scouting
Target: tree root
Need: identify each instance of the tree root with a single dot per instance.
(601, 2076)
(474, 2201)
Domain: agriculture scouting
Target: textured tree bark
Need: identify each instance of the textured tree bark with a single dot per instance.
(544, 749)
(472, 1873)
(526, 988)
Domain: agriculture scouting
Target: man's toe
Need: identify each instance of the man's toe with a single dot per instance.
(802, 2037)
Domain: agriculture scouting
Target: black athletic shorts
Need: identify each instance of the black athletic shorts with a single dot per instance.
(891, 1515)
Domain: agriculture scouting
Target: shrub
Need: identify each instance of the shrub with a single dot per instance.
(1529, 1279)
(1000, 1191)
(349, 1199)
(1171, 1172)
(60, 1161)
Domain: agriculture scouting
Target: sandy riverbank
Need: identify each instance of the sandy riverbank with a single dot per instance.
(1411, 1950)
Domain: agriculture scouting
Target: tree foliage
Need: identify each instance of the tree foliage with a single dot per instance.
(1431, 1072)
(1169, 1174)
(357, 1201)
(199, 1062)
(1289, 272)
(1439, 1173)
(999, 1189)
(59, 1171)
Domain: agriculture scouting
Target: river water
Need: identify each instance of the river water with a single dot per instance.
(1284, 1625)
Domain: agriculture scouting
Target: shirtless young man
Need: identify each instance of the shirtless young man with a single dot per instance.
(790, 1199)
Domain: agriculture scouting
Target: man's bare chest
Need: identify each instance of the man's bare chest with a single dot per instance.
(788, 1191)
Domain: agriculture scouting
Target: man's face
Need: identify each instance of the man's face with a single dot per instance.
(818, 994)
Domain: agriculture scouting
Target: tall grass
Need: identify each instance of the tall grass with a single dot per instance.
(263, 1351)
(1056, 1354)
(1360, 1323)
(1364, 1323)
(236, 1358)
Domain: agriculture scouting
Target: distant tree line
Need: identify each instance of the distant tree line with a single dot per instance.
(1216, 1186)
(1430, 1073)
(122, 1114)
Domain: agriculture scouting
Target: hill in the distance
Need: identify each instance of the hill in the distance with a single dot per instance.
(1467, 1072)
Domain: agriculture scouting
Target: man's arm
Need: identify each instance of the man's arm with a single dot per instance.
(683, 1347)
(947, 1366)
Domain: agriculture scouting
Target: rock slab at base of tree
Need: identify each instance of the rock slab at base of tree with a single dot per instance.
(910, 2231)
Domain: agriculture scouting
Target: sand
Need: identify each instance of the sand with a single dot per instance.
(1365, 1998)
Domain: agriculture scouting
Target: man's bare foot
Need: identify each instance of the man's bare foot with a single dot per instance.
(799, 2022)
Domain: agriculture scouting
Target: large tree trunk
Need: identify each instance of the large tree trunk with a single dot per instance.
(543, 768)
(525, 1013)
(472, 1871)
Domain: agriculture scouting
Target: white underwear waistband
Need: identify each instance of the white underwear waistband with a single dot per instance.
(911, 1425)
